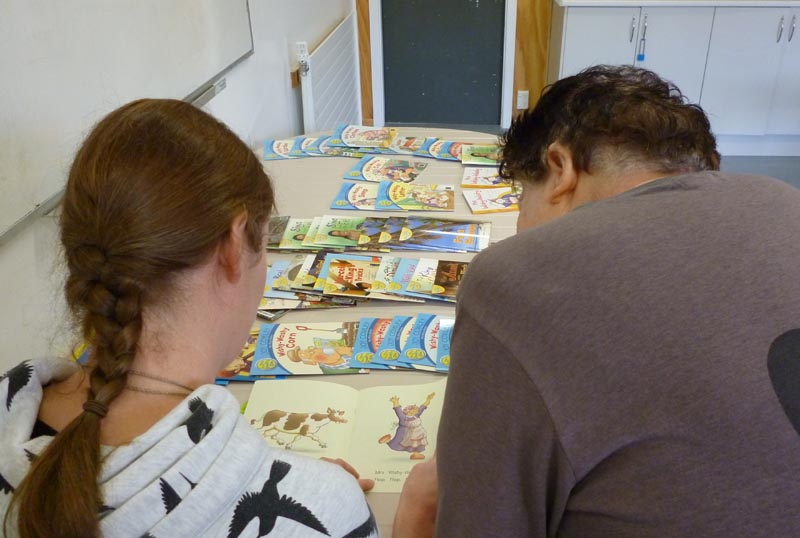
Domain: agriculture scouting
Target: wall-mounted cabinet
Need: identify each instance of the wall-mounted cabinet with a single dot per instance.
(752, 78)
(742, 64)
(670, 41)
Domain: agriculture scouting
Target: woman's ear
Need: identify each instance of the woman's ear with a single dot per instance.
(230, 253)
(562, 172)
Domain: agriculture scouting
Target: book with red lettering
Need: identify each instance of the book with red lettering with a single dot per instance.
(382, 431)
(497, 200)
(303, 349)
(482, 177)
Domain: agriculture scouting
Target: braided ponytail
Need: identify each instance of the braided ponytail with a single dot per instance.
(152, 191)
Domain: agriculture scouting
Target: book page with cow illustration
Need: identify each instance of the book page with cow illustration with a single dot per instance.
(382, 431)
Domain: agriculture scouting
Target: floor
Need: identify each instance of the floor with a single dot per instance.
(785, 168)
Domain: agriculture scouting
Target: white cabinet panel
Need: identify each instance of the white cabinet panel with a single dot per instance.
(743, 61)
(598, 35)
(673, 42)
(784, 118)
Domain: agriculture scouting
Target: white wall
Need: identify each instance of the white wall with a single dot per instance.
(258, 103)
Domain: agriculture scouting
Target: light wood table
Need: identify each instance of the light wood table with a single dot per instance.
(305, 188)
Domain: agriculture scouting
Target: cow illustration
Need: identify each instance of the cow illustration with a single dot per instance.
(280, 425)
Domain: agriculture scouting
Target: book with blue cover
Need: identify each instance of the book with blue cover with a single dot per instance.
(304, 349)
(357, 196)
(278, 149)
(380, 168)
(397, 196)
(370, 335)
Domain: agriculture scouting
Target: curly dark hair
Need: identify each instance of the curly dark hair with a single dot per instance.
(611, 118)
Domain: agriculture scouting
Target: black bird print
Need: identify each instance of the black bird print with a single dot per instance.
(147, 535)
(191, 484)
(169, 496)
(5, 487)
(17, 377)
(104, 510)
(368, 528)
(199, 423)
(30, 455)
(268, 505)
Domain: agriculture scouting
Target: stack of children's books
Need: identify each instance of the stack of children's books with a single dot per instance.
(483, 188)
(333, 279)
(394, 196)
(382, 431)
(381, 234)
(346, 141)
(420, 342)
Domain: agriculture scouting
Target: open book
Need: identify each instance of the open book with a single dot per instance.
(382, 431)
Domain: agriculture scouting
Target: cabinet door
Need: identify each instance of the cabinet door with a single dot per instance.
(743, 61)
(784, 117)
(673, 42)
(598, 35)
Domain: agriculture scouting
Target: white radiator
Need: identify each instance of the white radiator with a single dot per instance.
(329, 77)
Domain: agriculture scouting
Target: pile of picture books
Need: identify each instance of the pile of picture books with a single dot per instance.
(486, 192)
(420, 342)
(362, 140)
(394, 196)
(380, 234)
(333, 279)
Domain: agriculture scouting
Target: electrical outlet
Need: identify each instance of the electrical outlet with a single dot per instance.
(522, 99)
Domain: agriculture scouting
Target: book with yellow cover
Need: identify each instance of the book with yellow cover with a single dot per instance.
(382, 431)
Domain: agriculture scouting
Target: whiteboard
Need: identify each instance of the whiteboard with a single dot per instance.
(66, 63)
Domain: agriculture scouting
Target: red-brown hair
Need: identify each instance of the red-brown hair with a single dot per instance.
(153, 190)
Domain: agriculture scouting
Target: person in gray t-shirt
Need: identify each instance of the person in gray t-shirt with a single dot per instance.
(627, 365)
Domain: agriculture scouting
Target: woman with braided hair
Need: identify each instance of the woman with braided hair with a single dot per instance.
(162, 226)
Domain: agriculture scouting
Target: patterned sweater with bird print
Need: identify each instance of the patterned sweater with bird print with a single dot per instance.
(200, 471)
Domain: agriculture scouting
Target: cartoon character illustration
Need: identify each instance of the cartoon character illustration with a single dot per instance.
(241, 364)
(375, 134)
(410, 435)
(506, 200)
(406, 174)
(441, 199)
(279, 425)
(352, 235)
(327, 354)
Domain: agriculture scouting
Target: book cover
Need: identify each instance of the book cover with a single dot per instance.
(486, 154)
(284, 281)
(422, 280)
(329, 150)
(303, 349)
(480, 177)
(239, 368)
(311, 234)
(445, 337)
(497, 200)
(313, 146)
(381, 168)
(382, 431)
(278, 149)
(393, 341)
(370, 335)
(361, 136)
(448, 277)
(420, 349)
(424, 149)
(301, 145)
(303, 281)
(274, 272)
(450, 236)
(295, 233)
(407, 145)
(276, 227)
(394, 196)
(359, 196)
(351, 277)
(355, 231)
(448, 150)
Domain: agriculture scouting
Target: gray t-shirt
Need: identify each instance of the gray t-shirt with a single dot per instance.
(632, 369)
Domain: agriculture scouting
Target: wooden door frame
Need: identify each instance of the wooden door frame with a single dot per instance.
(370, 42)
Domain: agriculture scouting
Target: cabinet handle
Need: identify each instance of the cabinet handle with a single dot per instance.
(791, 32)
(633, 29)
(780, 31)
